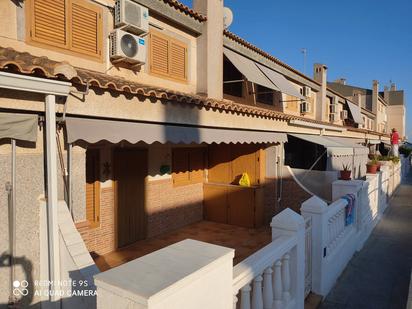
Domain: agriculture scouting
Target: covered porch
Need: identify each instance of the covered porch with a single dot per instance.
(149, 185)
(245, 241)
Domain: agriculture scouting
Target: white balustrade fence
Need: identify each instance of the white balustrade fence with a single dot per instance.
(273, 277)
(334, 241)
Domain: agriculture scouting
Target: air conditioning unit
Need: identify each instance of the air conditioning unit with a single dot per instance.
(305, 107)
(333, 108)
(126, 47)
(307, 91)
(332, 118)
(131, 17)
(344, 114)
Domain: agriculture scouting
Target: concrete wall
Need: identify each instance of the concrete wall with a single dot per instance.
(317, 182)
(396, 119)
(29, 188)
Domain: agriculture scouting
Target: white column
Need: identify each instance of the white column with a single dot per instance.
(51, 192)
(286, 278)
(245, 298)
(257, 298)
(267, 288)
(277, 285)
(317, 209)
(289, 223)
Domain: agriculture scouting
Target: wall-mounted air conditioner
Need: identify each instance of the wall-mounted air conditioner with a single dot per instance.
(304, 107)
(344, 114)
(131, 17)
(307, 91)
(126, 47)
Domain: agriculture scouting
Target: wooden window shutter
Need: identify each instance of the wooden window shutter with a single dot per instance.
(159, 54)
(85, 28)
(49, 22)
(180, 167)
(197, 165)
(178, 60)
(92, 187)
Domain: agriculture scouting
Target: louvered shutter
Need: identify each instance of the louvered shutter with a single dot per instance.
(197, 165)
(85, 28)
(159, 54)
(48, 22)
(178, 61)
(180, 167)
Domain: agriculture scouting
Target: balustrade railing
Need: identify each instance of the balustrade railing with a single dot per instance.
(272, 278)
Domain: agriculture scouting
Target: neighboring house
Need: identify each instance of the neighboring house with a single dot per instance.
(150, 143)
(381, 110)
(396, 109)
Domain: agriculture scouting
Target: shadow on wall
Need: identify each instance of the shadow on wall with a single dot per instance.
(24, 295)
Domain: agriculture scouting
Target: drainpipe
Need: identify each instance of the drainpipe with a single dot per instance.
(69, 177)
(51, 191)
(11, 193)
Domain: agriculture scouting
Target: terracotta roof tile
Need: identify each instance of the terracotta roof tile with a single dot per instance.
(25, 63)
(185, 9)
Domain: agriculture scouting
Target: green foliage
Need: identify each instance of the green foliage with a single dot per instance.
(346, 167)
(405, 151)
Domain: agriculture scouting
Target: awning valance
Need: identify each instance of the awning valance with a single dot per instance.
(334, 148)
(113, 131)
(356, 112)
(18, 126)
(281, 82)
(352, 142)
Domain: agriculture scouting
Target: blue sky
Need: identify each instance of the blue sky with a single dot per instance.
(359, 40)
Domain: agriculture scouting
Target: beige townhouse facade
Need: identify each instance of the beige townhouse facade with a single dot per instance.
(148, 146)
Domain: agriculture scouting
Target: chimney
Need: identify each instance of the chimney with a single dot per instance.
(320, 75)
(210, 49)
(357, 98)
(375, 101)
(393, 87)
(386, 94)
(341, 81)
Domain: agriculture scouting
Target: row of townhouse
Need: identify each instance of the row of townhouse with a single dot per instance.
(143, 115)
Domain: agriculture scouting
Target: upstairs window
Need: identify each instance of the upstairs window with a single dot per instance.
(168, 57)
(264, 95)
(73, 25)
(234, 85)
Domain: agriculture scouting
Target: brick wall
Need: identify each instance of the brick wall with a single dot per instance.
(101, 240)
(171, 207)
(292, 194)
(270, 203)
(168, 208)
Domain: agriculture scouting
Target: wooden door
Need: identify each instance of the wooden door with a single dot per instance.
(130, 171)
(93, 187)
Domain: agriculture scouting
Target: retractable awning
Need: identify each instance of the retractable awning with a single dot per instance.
(356, 112)
(249, 69)
(18, 126)
(281, 82)
(334, 148)
(113, 131)
(351, 142)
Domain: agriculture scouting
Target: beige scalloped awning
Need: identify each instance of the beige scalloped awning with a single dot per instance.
(114, 131)
(18, 126)
(249, 69)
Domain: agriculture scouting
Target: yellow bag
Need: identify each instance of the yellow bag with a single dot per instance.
(244, 180)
